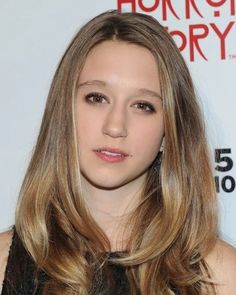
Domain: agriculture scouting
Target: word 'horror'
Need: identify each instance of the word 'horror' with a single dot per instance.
(193, 37)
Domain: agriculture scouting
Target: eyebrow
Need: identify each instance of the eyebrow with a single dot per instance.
(144, 91)
(92, 82)
(140, 91)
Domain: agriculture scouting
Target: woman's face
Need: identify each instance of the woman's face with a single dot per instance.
(119, 114)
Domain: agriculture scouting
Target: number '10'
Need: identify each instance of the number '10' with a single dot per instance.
(227, 183)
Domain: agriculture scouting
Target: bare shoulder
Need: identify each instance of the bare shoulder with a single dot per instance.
(5, 242)
(222, 263)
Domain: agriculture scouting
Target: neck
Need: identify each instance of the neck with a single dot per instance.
(111, 208)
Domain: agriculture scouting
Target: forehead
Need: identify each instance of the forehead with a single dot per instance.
(121, 62)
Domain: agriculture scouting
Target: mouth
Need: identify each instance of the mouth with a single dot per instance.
(111, 154)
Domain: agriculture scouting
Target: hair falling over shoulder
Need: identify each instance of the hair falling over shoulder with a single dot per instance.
(175, 224)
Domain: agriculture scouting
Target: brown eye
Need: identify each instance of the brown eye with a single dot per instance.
(95, 98)
(145, 107)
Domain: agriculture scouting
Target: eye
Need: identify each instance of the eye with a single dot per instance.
(95, 97)
(145, 107)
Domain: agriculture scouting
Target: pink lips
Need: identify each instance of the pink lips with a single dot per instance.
(111, 155)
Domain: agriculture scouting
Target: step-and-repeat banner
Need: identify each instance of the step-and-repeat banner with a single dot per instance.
(34, 35)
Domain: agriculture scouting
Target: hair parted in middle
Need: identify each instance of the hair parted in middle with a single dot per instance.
(175, 224)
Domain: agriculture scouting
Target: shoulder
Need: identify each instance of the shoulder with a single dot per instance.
(222, 263)
(5, 243)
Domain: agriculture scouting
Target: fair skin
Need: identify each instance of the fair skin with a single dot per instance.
(5, 242)
(118, 106)
(114, 110)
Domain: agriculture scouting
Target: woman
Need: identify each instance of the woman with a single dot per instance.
(119, 196)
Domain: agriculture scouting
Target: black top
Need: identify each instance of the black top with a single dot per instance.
(21, 272)
(23, 278)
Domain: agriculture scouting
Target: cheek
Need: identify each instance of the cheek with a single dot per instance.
(149, 137)
(149, 146)
(88, 125)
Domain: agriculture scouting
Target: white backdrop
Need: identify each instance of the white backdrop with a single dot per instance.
(34, 35)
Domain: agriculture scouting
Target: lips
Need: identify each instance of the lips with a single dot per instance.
(111, 154)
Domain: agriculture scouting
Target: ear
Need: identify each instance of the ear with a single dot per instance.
(162, 145)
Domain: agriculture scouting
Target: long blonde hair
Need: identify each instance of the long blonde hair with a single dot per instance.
(175, 224)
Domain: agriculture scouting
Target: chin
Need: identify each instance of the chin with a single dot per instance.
(106, 184)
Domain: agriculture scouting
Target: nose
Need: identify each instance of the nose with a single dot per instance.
(115, 123)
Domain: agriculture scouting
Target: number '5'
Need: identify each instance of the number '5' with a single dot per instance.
(219, 158)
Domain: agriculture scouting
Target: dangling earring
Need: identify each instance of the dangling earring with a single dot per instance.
(158, 160)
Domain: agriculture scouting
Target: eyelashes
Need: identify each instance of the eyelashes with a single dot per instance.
(99, 98)
(95, 97)
(145, 106)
